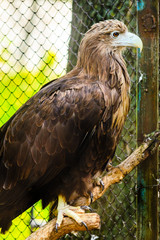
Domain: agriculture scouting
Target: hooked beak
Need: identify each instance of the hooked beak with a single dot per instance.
(129, 39)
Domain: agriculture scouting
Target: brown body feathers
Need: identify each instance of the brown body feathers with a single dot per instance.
(66, 133)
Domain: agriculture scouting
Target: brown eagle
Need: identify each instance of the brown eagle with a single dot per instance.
(62, 138)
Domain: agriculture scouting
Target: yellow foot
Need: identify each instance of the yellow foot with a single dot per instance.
(64, 209)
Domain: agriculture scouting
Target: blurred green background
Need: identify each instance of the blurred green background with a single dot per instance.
(18, 85)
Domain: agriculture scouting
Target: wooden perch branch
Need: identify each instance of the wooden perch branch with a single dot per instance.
(47, 232)
(115, 175)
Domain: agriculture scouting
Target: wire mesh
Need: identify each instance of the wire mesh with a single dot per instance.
(39, 42)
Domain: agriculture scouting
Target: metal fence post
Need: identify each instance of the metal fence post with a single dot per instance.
(147, 118)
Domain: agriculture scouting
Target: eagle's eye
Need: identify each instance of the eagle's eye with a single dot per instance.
(115, 34)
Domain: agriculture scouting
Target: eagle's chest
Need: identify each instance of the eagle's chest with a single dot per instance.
(112, 123)
(120, 113)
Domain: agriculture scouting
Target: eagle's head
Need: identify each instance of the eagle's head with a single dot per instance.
(115, 34)
(105, 37)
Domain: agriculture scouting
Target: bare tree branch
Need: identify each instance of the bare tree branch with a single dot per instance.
(115, 175)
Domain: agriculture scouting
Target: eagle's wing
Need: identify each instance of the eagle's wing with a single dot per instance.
(49, 127)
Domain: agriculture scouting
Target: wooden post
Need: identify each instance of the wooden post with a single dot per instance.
(147, 118)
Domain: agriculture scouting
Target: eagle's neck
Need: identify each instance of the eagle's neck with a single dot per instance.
(100, 63)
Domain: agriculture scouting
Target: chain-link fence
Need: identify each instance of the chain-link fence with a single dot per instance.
(39, 42)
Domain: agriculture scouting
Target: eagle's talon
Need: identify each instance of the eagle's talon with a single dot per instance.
(91, 197)
(56, 227)
(102, 184)
(86, 208)
(85, 225)
(109, 166)
(99, 182)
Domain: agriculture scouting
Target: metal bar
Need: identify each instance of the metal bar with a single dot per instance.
(147, 118)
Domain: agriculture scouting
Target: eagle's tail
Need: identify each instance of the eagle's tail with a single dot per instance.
(12, 203)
